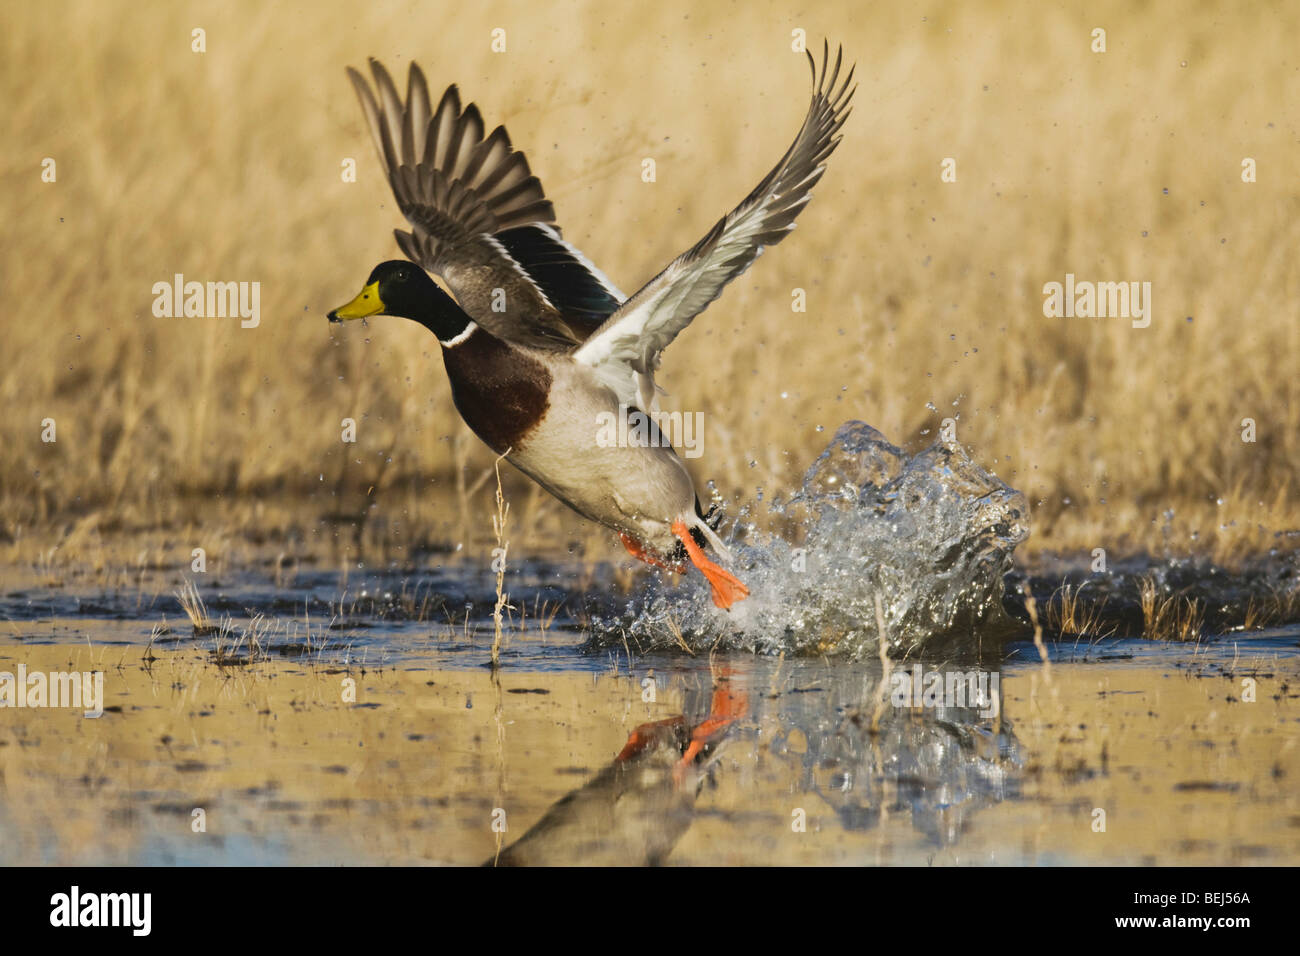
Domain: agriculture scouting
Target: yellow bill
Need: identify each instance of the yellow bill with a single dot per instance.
(366, 303)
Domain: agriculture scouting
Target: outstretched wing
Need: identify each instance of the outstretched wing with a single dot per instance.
(624, 352)
(479, 217)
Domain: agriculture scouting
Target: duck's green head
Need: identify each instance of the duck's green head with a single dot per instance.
(404, 289)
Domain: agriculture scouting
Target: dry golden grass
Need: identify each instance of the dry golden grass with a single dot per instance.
(1169, 617)
(192, 604)
(500, 522)
(225, 166)
(1070, 614)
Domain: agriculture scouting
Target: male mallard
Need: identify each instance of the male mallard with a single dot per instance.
(542, 347)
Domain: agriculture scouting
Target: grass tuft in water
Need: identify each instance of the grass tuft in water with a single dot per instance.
(194, 608)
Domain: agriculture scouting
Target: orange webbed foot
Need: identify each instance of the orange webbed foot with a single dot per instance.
(641, 553)
(727, 588)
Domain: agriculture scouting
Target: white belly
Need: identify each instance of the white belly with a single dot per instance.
(633, 488)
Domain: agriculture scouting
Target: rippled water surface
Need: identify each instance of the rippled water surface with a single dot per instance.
(317, 719)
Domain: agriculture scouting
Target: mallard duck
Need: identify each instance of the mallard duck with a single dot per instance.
(539, 346)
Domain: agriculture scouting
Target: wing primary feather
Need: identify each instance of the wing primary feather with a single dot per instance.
(444, 121)
(392, 113)
(418, 114)
(368, 107)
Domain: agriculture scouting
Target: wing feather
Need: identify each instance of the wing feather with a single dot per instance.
(625, 350)
(459, 186)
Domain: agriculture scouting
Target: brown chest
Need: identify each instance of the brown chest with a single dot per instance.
(502, 393)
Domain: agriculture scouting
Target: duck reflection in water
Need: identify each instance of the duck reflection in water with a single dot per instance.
(636, 809)
(860, 753)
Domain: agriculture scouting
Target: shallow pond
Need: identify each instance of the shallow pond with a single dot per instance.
(347, 730)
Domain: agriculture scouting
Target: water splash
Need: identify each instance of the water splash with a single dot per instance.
(932, 535)
(940, 764)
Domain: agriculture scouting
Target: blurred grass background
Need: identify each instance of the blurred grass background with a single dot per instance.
(924, 298)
